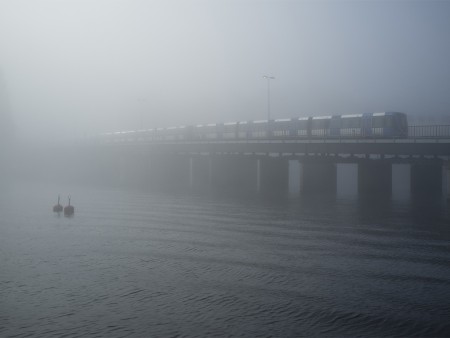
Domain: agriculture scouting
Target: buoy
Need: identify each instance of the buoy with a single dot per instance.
(69, 209)
(58, 207)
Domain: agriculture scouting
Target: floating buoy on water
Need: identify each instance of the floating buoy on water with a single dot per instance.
(58, 207)
(69, 209)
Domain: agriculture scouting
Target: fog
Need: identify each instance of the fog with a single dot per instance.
(298, 230)
(79, 68)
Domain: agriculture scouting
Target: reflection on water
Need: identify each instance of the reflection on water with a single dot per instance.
(143, 264)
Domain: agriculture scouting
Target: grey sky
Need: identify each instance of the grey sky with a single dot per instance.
(76, 66)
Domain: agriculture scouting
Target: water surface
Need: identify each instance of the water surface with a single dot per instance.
(133, 263)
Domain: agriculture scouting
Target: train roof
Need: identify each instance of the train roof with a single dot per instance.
(388, 113)
(351, 115)
(325, 117)
(206, 125)
(321, 117)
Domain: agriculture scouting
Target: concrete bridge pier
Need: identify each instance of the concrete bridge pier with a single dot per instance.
(318, 177)
(401, 180)
(427, 178)
(375, 177)
(233, 173)
(447, 180)
(294, 177)
(272, 175)
(347, 179)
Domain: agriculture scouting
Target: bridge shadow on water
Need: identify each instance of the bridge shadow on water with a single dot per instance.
(422, 210)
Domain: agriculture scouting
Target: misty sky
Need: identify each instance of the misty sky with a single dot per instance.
(75, 67)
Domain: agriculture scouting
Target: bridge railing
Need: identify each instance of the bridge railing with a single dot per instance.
(430, 131)
(419, 131)
(414, 132)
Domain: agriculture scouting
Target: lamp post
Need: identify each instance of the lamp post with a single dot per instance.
(268, 78)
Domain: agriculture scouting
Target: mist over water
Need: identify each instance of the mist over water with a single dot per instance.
(144, 264)
(132, 262)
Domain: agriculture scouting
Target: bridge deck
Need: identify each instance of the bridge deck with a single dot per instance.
(383, 147)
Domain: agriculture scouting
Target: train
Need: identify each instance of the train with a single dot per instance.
(368, 125)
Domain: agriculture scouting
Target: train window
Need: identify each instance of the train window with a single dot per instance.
(402, 121)
(302, 124)
(259, 126)
(377, 122)
(230, 127)
(352, 122)
(388, 121)
(320, 123)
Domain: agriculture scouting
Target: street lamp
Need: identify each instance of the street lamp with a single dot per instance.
(268, 78)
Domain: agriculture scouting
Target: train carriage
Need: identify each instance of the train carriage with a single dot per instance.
(259, 129)
(107, 138)
(320, 126)
(303, 127)
(229, 130)
(351, 125)
(125, 136)
(205, 132)
(174, 133)
(376, 125)
(152, 134)
(143, 136)
(198, 132)
(243, 130)
(210, 131)
(159, 134)
(389, 124)
(283, 128)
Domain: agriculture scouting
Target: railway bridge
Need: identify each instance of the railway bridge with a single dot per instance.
(268, 165)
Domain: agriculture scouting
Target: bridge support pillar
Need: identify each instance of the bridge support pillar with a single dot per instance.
(401, 180)
(273, 175)
(375, 177)
(447, 179)
(294, 176)
(230, 173)
(347, 179)
(426, 179)
(318, 177)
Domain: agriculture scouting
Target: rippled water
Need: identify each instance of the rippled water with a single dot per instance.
(139, 264)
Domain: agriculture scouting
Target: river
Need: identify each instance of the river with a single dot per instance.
(140, 264)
